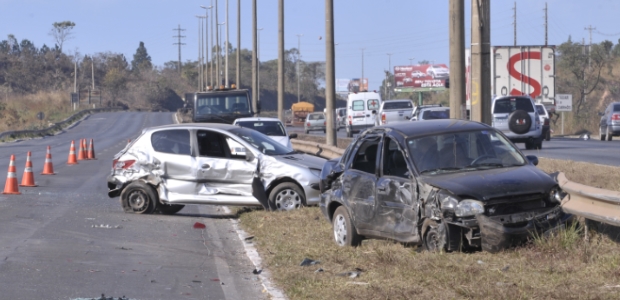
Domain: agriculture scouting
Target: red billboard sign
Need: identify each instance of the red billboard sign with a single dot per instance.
(421, 76)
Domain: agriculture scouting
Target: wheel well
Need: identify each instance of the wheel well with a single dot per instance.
(282, 180)
(331, 209)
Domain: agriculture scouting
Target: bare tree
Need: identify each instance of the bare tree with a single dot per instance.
(61, 31)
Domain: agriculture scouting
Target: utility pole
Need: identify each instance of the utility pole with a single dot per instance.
(480, 110)
(388, 81)
(546, 25)
(92, 69)
(206, 55)
(281, 60)
(226, 49)
(298, 59)
(457, 57)
(75, 76)
(514, 23)
(238, 64)
(590, 28)
(258, 63)
(330, 74)
(179, 36)
(362, 79)
(254, 58)
(218, 48)
(200, 70)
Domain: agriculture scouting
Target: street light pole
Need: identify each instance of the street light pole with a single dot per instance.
(388, 82)
(258, 62)
(362, 79)
(199, 53)
(218, 48)
(226, 48)
(238, 62)
(298, 59)
(206, 50)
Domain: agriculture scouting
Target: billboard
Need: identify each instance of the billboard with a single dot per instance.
(342, 85)
(356, 85)
(420, 77)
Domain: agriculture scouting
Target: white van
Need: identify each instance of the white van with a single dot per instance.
(362, 111)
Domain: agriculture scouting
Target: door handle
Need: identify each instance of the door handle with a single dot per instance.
(206, 166)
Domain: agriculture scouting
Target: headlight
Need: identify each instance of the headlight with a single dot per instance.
(316, 172)
(447, 201)
(469, 208)
(556, 195)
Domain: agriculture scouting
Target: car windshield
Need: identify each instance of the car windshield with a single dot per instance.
(508, 105)
(260, 141)
(397, 105)
(222, 103)
(463, 152)
(272, 128)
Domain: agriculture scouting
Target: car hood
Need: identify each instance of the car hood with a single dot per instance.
(283, 140)
(302, 160)
(488, 184)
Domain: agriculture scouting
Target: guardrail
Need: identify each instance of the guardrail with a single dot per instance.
(590, 202)
(59, 126)
(581, 200)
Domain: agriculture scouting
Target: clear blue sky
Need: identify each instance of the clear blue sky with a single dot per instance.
(406, 28)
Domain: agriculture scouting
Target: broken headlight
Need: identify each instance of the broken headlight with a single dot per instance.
(468, 208)
(556, 195)
(448, 201)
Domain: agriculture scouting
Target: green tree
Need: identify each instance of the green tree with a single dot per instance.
(62, 31)
(141, 59)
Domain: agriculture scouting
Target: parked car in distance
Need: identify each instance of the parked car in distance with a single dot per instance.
(543, 114)
(314, 122)
(271, 127)
(397, 110)
(442, 184)
(341, 117)
(416, 110)
(610, 121)
(168, 167)
(517, 118)
(432, 113)
(438, 71)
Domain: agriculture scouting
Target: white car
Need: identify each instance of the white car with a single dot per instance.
(417, 74)
(272, 127)
(438, 71)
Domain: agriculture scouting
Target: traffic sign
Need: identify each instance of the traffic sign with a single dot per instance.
(563, 102)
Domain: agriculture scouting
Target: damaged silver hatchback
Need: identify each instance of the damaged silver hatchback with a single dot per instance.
(443, 184)
(170, 166)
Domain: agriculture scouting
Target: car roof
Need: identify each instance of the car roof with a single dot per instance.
(193, 126)
(433, 127)
(435, 108)
(251, 119)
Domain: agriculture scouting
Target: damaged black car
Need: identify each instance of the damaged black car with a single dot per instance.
(443, 184)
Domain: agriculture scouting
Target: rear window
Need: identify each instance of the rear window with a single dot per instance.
(316, 117)
(373, 104)
(397, 105)
(357, 105)
(508, 105)
(540, 109)
(436, 114)
(616, 107)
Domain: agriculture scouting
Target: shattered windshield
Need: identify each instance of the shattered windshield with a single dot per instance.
(463, 151)
(263, 143)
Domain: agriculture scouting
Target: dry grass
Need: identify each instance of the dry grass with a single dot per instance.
(20, 112)
(559, 266)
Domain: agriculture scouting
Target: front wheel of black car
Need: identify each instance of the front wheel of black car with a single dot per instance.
(345, 233)
(169, 209)
(139, 198)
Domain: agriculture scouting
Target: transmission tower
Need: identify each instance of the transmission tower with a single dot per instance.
(179, 36)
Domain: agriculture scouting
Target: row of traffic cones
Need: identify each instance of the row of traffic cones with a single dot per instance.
(48, 169)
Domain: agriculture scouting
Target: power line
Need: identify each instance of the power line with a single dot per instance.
(179, 36)
(607, 34)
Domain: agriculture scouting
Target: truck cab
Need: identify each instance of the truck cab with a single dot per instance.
(222, 106)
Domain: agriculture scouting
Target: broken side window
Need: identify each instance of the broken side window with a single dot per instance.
(365, 159)
(210, 144)
(394, 163)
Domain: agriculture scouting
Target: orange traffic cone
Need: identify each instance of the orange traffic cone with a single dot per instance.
(11, 179)
(28, 177)
(91, 150)
(72, 159)
(48, 167)
(85, 154)
(80, 154)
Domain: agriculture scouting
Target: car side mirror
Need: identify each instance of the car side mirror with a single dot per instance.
(249, 156)
(533, 159)
(292, 136)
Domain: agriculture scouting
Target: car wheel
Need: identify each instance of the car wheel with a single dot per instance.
(324, 130)
(307, 131)
(139, 198)
(608, 134)
(345, 233)
(434, 239)
(287, 196)
(529, 146)
(538, 144)
(548, 135)
(169, 209)
(600, 131)
(349, 133)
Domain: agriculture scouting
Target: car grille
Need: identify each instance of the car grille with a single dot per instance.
(515, 204)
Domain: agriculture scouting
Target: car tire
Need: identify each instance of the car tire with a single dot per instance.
(609, 138)
(349, 133)
(529, 146)
(139, 198)
(515, 117)
(603, 136)
(345, 233)
(434, 239)
(169, 209)
(324, 130)
(307, 131)
(287, 196)
(538, 143)
(548, 135)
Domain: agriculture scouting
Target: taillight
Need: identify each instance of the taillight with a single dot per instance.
(383, 119)
(308, 124)
(615, 117)
(350, 120)
(324, 122)
(123, 164)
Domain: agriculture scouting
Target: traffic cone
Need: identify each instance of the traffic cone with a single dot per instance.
(85, 154)
(72, 159)
(11, 179)
(91, 150)
(28, 177)
(80, 154)
(48, 167)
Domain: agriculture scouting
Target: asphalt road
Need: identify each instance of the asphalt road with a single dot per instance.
(592, 151)
(65, 239)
